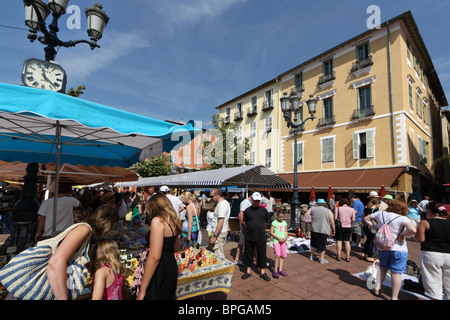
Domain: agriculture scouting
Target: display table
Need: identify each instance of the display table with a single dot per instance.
(207, 279)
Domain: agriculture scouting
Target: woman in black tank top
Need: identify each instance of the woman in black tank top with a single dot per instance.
(434, 236)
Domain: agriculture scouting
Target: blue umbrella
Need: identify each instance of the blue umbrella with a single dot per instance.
(44, 126)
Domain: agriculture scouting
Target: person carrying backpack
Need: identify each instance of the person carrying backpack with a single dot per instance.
(394, 226)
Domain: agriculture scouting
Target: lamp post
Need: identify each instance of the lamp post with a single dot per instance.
(289, 104)
(36, 12)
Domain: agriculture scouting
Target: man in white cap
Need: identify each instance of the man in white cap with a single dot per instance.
(255, 218)
(374, 195)
(176, 202)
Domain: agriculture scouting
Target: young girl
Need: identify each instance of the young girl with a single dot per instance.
(278, 230)
(109, 274)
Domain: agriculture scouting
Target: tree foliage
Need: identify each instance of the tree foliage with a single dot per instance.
(76, 92)
(227, 150)
(152, 167)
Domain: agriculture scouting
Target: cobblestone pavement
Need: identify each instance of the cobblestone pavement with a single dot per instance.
(309, 280)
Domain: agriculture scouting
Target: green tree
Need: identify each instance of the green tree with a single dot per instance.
(153, 167)
(76, 92)
(441, 167)
(227, 150)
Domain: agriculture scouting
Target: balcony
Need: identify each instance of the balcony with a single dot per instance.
(252, 110)
(361, 67)
(268, 104)
(363, 113)
(326, 121)
(239, 115)
(327, 80)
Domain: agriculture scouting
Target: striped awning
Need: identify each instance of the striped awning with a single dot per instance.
(245, 176)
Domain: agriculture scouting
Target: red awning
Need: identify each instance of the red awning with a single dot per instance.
(364, 179)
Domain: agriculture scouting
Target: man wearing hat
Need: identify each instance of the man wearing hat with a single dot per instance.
(255, 219)
(176, 202)
(374, 194)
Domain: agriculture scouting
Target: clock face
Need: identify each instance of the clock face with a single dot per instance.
(44, 75)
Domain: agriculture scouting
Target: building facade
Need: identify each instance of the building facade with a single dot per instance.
(378, 120)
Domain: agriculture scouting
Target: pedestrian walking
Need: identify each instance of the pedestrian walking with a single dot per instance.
(159, 281)
(322, 226)
(219, 223)
(433, 234)
(255, 218)
(278, 230)
(346, 215)
(394, 259)
(357, 224)
(368, 248)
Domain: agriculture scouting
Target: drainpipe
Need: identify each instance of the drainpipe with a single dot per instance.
(391, 104)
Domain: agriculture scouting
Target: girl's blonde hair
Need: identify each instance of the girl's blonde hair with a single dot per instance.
(187, 195)
(161, 207)
(106, 252)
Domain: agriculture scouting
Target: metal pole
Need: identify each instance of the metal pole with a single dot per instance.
(58, 153)
(295, 204)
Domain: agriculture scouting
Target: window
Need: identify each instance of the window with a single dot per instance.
(422, 151)
(239, 133)
(411, 107)
(365, 97)
(327, 146)
(363, 145)
(252, 158)
(199, 162)
(268, 100)
(186, 161)
(417, 102)
(328, 108)
(298, 79)
(227, 115)
(252, 129)
(328, 67)
(299, 153)
(268, 124)
(362, 51)
(268, 158)
(187, 150)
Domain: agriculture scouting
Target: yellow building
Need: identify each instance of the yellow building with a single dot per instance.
(378, 119)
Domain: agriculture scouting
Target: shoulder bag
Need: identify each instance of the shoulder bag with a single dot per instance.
(337, 223)
(25, 276)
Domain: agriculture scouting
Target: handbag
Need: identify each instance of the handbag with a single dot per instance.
(338, 223)
(139, 273)
(25, 276)
(199, 236)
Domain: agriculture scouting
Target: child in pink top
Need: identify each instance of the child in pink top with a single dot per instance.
(109, 274)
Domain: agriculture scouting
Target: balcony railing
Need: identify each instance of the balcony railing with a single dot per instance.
(326, 121)
(361, 64)
(252, 110)
(268, 104)
(239, 115)
(327, 78)
(361, 113)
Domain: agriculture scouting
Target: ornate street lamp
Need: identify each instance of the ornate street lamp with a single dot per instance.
(289, 104)
(36, 12)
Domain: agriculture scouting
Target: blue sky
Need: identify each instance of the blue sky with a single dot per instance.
(179, 59)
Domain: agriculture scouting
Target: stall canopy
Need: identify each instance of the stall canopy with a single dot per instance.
(73, 174)
(44, 126)
(245, 176)
(34, 122)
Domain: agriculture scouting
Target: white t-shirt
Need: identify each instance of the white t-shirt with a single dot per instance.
(209, 217)
(245, 204)
(222, 211)
(176, 202)
(64, 214)
(396, 226)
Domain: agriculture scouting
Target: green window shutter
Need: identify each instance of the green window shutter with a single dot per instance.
(370, 144)
(355, 146)
(324, 150)
(331, 150)
(299, 153)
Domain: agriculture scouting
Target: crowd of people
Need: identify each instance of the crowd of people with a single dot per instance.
(174, 222)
